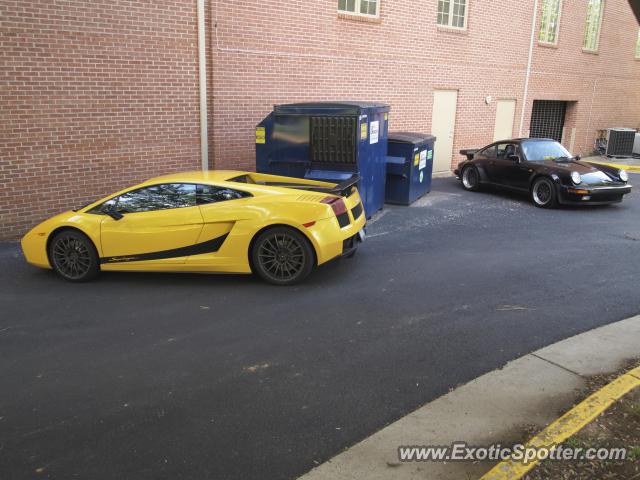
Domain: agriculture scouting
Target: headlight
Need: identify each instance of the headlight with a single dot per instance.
(624, 176)
(576, 178)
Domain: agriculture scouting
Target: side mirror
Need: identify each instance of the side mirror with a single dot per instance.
(113, 213)
(514, 158)
(577, 157)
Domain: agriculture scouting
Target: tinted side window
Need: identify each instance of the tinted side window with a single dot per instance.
(506, 149)
(157, 197)
(212, 194)
(489, 152)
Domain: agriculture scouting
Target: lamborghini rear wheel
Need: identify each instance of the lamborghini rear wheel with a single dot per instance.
(282, 256)
(73, 256)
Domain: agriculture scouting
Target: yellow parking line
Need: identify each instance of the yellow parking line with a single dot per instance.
(568, 424)
(621, 166)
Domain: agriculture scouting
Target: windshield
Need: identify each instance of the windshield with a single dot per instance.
(538, 151)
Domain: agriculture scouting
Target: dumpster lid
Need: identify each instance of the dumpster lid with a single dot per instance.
(411, 137)
(342, 107)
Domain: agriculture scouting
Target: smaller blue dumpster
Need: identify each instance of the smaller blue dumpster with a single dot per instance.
(409, 167)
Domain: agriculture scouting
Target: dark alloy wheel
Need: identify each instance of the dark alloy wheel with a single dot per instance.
(471, 179)
(73, 256)
(282, 256)
(543, 193)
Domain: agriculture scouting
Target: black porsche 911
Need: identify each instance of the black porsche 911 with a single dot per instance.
(543, 169)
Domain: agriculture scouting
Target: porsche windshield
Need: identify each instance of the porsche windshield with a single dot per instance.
(540, 150)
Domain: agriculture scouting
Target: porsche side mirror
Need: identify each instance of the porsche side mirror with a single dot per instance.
(514, 158)
(113, 213)
(577, 157)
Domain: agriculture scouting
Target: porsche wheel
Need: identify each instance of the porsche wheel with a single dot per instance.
(282, 256)
(543, 193)
(73, 256)
(471, 179)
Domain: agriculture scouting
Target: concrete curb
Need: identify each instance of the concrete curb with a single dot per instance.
(568, 424)
(621, 166)
(532, 390)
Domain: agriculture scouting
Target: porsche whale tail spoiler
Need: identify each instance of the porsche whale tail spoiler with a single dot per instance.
(469, 152)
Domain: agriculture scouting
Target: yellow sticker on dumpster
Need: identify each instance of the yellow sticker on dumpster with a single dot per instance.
(363, 130)
(261, 135)
(416, 159)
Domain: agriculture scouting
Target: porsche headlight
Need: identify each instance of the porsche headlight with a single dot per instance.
(576, 178)
(624, 176)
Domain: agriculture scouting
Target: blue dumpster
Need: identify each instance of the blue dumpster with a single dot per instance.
(328, 141)
(409, 167)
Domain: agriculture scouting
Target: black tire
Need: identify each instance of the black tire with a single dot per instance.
(73, 256)
(470, 178)
(282, 256)
(352, 253)
(543, 193)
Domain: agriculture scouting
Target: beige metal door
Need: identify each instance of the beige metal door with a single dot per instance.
(443, 122)
(505, 113)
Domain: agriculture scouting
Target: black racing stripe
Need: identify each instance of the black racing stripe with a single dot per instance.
(209, 246)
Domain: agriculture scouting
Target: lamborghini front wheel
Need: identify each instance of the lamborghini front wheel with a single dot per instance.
(73, 256)
(282, 256)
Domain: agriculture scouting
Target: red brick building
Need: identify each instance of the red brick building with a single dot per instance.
(98, 95)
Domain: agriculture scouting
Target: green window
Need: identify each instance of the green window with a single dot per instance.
(550, 21)
(592, 27)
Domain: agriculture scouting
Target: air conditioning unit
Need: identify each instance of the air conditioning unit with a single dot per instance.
(636, 145)
(620, 142)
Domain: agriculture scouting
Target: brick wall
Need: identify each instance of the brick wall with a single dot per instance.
(95, 96)
(99, 95)
(284, 51)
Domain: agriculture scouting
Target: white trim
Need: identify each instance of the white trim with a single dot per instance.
(637, 51)
(557, 32)
(534, 24)
(202, 78)
(450, 13)
(357, 13)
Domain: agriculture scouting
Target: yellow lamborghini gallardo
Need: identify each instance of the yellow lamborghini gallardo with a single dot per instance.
(216, 221)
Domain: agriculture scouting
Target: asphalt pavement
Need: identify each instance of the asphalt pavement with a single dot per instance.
(140, 376)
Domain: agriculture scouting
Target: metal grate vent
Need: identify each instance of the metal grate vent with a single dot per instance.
(333, 140)
(620, 141)
(547, 119)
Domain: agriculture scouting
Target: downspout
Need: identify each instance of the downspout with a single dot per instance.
(529, 61)
(202, 74)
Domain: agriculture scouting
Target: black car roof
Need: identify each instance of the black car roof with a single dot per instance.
(520, 140)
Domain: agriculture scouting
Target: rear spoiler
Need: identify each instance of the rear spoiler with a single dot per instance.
(469, 152)
(344, 188)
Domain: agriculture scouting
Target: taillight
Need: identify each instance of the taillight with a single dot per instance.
(337, 204)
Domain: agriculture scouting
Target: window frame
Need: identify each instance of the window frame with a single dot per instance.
(637, 53)
(449, 23)
(357, 13)
(506, 144)
(99, 209)
(598, 30)
(557, 31)
(199, 194)
(489, 156)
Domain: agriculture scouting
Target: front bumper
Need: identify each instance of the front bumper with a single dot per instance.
(580, 195)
